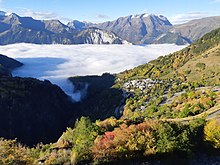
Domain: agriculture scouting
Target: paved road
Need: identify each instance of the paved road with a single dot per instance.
(208, 115)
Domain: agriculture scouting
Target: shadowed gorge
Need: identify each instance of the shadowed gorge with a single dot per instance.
(101, 99)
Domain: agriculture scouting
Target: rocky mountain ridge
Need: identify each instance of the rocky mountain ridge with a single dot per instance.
(136, 29)
(16, 29)
(154, 29)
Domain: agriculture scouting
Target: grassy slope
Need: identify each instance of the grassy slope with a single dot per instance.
(211, 59)
(205, 50)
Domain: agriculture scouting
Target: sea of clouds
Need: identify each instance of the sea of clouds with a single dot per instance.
(58, 62)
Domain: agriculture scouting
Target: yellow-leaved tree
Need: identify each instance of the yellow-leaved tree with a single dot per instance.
(212, 133)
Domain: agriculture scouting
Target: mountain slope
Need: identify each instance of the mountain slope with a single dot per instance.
(56, 26)
(138, 28)
(8, 64)
(195, 29)
(78, 25)
(31, 110)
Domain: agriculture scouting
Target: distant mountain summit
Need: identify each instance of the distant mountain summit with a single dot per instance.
(142, 28)
(154, 29)
(16, 29)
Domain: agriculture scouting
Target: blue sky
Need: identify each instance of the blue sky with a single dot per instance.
(176, 11)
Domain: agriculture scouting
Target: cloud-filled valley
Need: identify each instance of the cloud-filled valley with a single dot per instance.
(58, 62)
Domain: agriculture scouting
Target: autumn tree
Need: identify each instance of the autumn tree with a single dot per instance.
(212, 133)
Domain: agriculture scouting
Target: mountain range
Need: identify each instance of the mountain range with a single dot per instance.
(153, 29)
(136, 29)
(16, 29)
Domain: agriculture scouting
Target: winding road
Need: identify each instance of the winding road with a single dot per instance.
(212, 113)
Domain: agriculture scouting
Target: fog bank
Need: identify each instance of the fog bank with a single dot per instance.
(58, 62)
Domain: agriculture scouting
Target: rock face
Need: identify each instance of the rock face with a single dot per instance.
(97, 36)
(16, 29)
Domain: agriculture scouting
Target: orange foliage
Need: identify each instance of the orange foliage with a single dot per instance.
(125, 142)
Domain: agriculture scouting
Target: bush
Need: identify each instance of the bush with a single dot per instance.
(212, 133)
(13, 153)
(201, 66)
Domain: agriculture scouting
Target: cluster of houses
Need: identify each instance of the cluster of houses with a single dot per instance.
(141, 84)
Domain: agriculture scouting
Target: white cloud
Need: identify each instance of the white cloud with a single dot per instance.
(58, 62)
(42, 15)
(183, 18)
(216, 1)
(102, 16)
